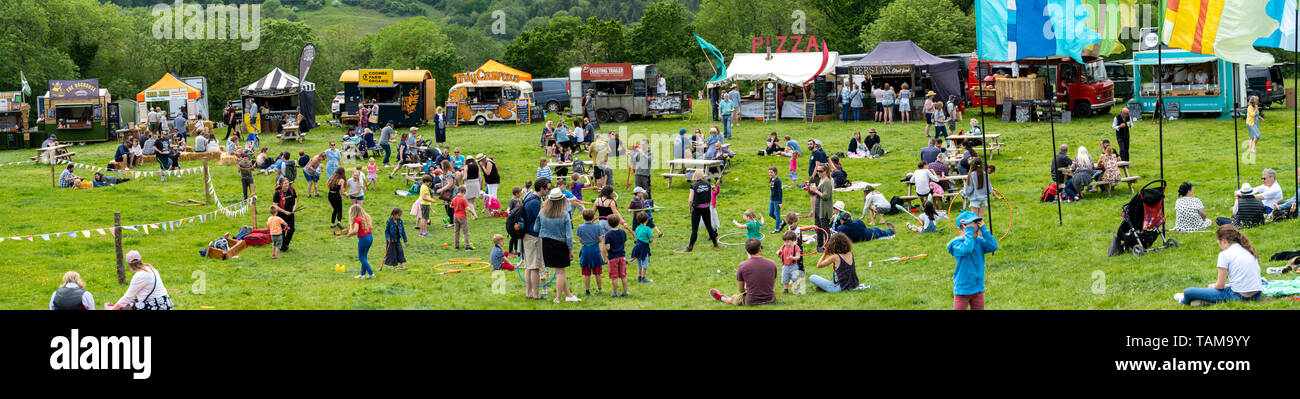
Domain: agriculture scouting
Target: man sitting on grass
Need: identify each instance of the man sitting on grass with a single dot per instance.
(757, 277)
(1247, 211)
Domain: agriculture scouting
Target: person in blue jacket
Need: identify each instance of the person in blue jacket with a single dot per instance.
(969, 250)
(856, 229)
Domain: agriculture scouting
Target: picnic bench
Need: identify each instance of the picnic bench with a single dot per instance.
(52, 154)
(683, 168)
(291, 132)
(1125, 178)
(994, 143)
(911, 188)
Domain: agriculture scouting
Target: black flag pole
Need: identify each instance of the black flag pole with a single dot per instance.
(1235, 140)
(984, 127)
(1060, 220)
(1295, 111)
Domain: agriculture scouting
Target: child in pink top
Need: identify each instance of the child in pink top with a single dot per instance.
(372, 173)
(794, 166)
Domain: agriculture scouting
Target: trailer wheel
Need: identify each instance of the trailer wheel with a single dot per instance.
(602, 116)
(1082, 109)
(620, 116)
(480, 121)
(553, 106)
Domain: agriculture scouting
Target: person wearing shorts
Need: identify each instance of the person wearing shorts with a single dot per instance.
(591, 235)
(532, 241)
(277, 240)
(612, 248)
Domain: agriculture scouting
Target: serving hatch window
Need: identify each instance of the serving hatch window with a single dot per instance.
(1201, 78)
(73, 116)
(382, 95)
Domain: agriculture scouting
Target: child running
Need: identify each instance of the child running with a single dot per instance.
(641, 249)
(278, 227)
(395, 238)
(592, 236)
(360, 228)
(612, 249)
(791, 254)
(774, 201)
(753, 225)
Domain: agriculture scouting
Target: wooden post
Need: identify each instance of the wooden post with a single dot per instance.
(207, 183)
(54, 180)
(117, 241)
(252, 205)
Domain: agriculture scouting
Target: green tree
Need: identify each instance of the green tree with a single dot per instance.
(537, 50)
(731, 24)
(597, 41)
(398, 46)
(844, 20)
(665, 31)
(937, 26)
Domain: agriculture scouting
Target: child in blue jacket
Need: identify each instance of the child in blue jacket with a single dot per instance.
(969, 250)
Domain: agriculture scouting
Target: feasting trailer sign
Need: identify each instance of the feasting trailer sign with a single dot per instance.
(622, 71)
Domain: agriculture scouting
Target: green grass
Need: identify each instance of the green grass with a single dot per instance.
(1041, 265)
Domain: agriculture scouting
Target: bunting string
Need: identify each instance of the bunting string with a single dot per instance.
(232, 210)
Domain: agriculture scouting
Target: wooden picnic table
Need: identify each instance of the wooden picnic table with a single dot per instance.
(50, 154)
(685, 166)
(994, 142)
(1123, 168)
(290, 132)
(911, 188)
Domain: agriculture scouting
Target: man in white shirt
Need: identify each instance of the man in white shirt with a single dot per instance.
(663, 86)
(1202, 78)
(1270, 193)
(154, 120)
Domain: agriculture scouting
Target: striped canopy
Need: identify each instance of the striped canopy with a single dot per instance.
(277, 83)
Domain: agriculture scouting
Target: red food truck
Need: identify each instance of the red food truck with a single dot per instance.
(1085, 88)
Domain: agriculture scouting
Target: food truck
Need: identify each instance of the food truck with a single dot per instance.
(1197, 83)
(1084, 88)
(76, 110)
(408, 97)
(623, 90)
(13, 121)
(492, 93)
(176, 94)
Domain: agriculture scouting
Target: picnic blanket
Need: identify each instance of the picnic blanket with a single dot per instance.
(857, 186)
(1282, 287)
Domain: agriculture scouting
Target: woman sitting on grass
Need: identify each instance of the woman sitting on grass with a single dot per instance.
(1189, 212)
(839, 254)
(1238, 267)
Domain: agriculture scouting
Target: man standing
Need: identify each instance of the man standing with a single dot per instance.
(725, 108)
(856, 102)
(845, 97)
(155, 121)
(734, 95)
(179, 125)
(662, 88)
(384, 136)
(818, 157)
(641, 163)
(229, 118)
(532, 242)
(681, 144)
(757, 278)
(1121, 125)
(588, 104)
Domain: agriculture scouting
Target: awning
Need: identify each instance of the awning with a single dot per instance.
(275, 84)
(1176, 61)
(169, 82)
(791, 69)
(493, 66)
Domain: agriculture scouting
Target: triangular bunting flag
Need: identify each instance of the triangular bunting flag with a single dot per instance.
(101, 232)
(72, 234)
(45, 237)
(85, 233)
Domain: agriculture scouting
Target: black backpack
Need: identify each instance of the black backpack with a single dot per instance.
(515, 220)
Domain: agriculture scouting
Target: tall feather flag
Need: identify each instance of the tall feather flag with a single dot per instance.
(27, 90)
(1224, 28)
(1109, 18)
(719, 63)
(1008, 30)
(1282, 11)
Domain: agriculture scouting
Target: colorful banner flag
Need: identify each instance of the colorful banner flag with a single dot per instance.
(1110, 18)
(719, 62)
(1009, 30)
(1226, 29)
(1284, 37)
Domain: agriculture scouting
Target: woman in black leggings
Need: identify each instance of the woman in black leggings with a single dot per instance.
(450, 180)
(700, 198)
(335, 185)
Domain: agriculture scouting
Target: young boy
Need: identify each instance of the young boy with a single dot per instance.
(641, 249)
(968, 250)
(791, 255)
(591, 235)
(638, 203)
(277, 226)
(515, 201)
(774, 203)
(612, 250)
(395, 236)
(753, 225)
(459, 207)
(497, 257)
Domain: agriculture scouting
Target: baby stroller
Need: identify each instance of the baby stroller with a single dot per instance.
(1143, 222)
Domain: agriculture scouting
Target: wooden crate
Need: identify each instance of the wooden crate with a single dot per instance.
(235, 249)
(1019, 89)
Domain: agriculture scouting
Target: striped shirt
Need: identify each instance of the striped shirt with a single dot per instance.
(544, 172)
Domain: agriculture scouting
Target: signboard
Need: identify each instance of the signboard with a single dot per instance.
(173, 94)
(1024, 109)
(475, 76)
(375, 78)
(114, 119)
(522, 115)
(620, 71)
(97, 112)
(770, 110)
(1006, 109)
(809, 110)
(1134, 111)
(1172, 110)
(880, 69)
(304, 61)
(449, 114)
(786, 44)
(74, 89)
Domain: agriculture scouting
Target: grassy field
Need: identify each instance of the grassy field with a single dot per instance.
(1041, 265)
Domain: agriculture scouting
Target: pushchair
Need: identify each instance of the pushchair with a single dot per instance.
(1143, 222)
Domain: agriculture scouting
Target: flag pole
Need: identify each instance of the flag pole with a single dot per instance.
(1060, 220)
(1235, 142)
(1295, 111)
(984, 127)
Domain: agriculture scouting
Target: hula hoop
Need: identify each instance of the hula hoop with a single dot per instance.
(729, 235)
(1010, 216)
(544, 274)
(805, 228)
(439, 266)
(461, 260)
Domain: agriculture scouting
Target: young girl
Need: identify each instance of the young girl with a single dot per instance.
(356, 187)
(926, 219)
(361, 228)
(977, 187)
(605, 206)
(335, 186)
(395, 238)
(1238, 278)
(791, 254)
(968, 251)
(1253, 119)
(753, 225)
(794, 166)
(592, 236)
(641, 249)
(372, 173)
